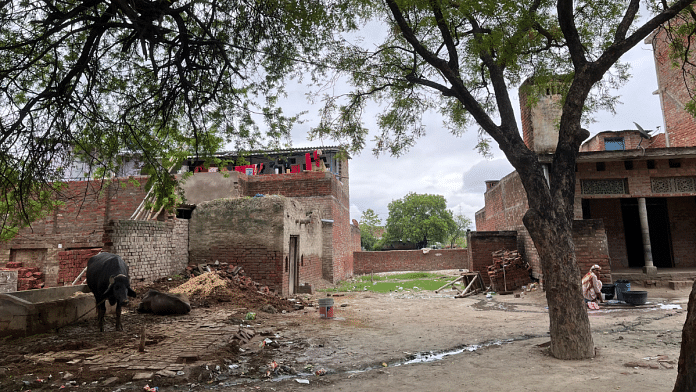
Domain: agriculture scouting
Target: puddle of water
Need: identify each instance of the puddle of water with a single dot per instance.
(647, 307)
(432, 356)
(669, 306)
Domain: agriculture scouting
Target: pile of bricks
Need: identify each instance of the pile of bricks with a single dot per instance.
(508, 271)
(28, 278)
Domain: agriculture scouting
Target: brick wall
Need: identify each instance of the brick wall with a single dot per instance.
(255, 233)
(78, 224)
(343, 263)
(303, 221)
(355, 238)
(482, 244)
(591, 247)
(311, 271)
(409, 260)
(609, 211)
(319, 191)
(72, 263)
(151, 249)
(506, 204)
(679, 125)
(304, 184)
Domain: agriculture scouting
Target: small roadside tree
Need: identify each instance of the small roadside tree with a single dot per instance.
(420, 219)
(458, 234)
(370, 226)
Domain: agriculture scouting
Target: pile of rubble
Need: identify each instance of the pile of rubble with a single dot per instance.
(229, 272)
(508, 271)
(28, 278)
(207, 285)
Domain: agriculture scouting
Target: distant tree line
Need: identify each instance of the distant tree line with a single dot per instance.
(415, 221)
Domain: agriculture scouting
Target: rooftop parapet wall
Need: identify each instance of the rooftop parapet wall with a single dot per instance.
(201, 187)
(305, 184)
(631, 139)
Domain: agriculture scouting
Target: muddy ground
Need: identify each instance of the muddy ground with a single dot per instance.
(376, 342)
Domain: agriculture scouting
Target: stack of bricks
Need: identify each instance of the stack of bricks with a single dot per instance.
(72, 262)
(28, 278)
(508, 271)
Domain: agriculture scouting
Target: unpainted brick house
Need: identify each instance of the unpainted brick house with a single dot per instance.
(635, 193)
(288, 230)
(297, 234)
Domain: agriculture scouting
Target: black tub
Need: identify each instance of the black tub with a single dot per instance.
(608, 290)
(635, 297)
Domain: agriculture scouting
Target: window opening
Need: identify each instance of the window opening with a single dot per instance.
(614, 144)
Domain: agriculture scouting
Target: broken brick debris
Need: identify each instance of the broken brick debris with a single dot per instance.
(28, 278)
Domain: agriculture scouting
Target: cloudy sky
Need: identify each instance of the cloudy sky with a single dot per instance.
(443, 164)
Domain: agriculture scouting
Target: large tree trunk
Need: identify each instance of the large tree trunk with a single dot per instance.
(570, 326)
(686, 375)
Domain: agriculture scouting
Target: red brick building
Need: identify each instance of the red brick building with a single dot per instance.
(302, 235)
(635, 193)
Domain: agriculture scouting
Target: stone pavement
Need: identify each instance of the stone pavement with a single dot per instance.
(179, 342)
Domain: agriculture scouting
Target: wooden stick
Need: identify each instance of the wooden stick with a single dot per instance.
(452, 282)
(469, 286)
(79, 276)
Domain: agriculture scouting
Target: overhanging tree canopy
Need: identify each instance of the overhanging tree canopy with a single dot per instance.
(94, 79)
(462, 58)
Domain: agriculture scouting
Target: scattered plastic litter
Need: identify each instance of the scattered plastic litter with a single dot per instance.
(150, 389)
(302, 380)
(320, 372)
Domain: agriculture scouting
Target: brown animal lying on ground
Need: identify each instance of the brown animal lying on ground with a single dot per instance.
(162, 303)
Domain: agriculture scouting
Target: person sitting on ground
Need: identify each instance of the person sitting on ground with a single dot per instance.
(592, 286)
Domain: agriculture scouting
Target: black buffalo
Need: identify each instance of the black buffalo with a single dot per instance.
(163, 303)
(107, 278)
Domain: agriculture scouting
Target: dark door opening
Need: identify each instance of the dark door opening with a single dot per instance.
(660, 236)
(294, 270)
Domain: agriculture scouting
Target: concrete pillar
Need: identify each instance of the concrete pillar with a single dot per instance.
(649, 268)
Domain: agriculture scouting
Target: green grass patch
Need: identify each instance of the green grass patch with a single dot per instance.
(412, 281)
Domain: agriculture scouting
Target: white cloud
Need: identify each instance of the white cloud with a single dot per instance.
(441, 163)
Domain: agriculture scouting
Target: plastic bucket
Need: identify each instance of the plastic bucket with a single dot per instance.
(622, 286)
(326, 307)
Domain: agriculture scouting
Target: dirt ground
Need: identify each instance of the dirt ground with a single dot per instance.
(376, 342)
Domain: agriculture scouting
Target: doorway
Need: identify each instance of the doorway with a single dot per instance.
(294, 267)
(660, 236)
